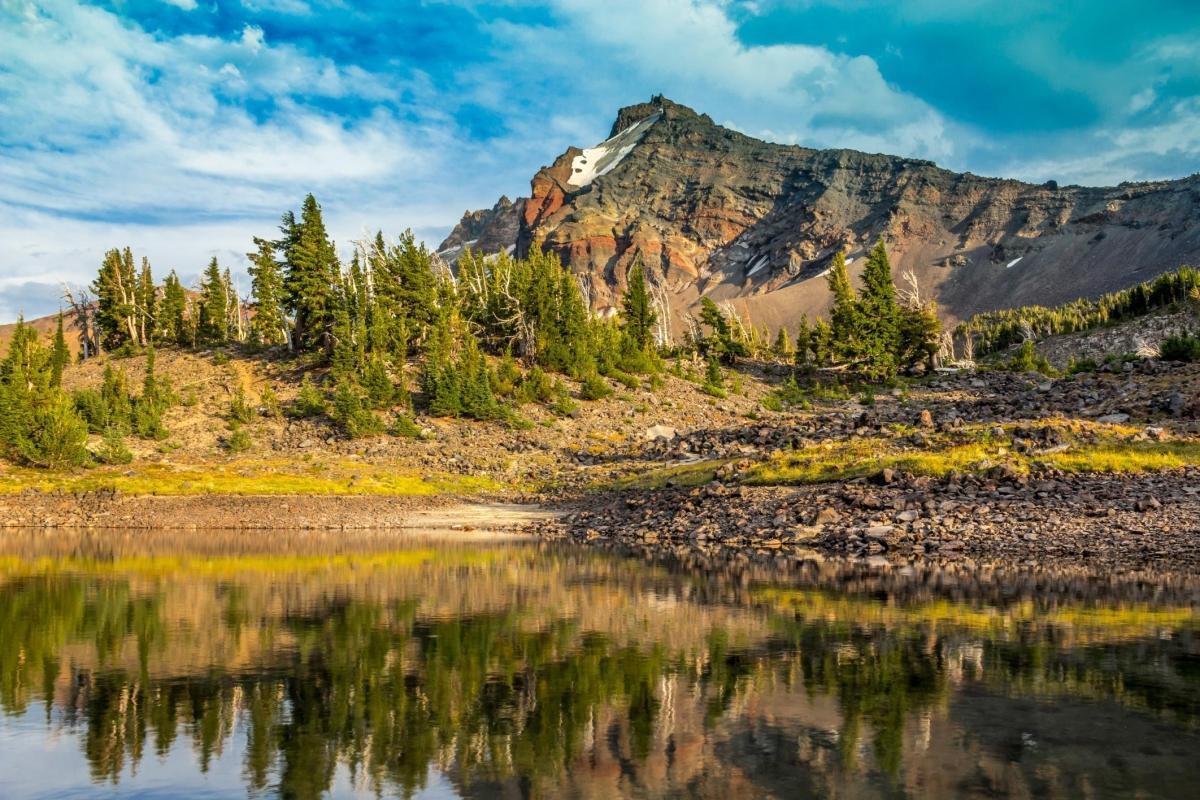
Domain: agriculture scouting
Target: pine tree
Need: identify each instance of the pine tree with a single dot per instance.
(720, 341)
(405, 287)
(880, 334)
(269, 326)
(60, 356)
(39, 424)
(233, 308)
(311, 278)
(845, 319)
(638, 315)
(149, 408)
(803, 341)
(147, 304)
(213, 326)
(173, 325)
(783, 349)
(114, 394)
(116, 293)
(920, 335)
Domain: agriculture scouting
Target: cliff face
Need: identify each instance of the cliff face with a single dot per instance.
(712, 211)
(488, 230)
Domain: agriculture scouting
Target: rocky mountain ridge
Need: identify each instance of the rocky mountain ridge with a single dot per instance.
(711, 211)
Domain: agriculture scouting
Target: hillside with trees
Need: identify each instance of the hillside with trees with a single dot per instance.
(394, 335)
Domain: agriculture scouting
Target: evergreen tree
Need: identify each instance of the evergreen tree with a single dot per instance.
(114, 394)
(116, 291)
(638, 315)
(405, 288)
(920, 335)
(147, 301)
(352, 413)
(311, 278)
(213, 326)
(440, 380)
(39, 424)
(720, 341)
(233, 308)
(172, 315)
(879, 314)
(148, 409)
(478, 401)
(845, 319)
(803, 341)
(783, 349)
(60, 356)
(269, 326)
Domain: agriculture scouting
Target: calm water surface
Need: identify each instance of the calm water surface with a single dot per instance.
(314, 665)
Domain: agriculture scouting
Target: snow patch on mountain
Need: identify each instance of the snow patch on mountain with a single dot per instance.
(604, 157)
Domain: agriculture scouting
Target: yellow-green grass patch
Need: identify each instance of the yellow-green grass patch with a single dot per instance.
(249, 477)
(1089, 447)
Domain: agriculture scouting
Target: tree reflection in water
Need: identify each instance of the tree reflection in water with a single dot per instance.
(543, 670)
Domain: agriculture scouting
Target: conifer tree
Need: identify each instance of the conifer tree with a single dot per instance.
(720, 341)
(155, 399)
(147, 302)
(638, 315)
(311, 278)
(213, 326)
(919, 335)
(114, 394)
(116, 293)
(783, 348)
(803, 341)
(269, 326)
(880, 314)
(173, 324)
(233, 308)
(405, 287)
(39, 424)
(845, 319)
(60, 356)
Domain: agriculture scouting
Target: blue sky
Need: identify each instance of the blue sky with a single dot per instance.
(184, 127)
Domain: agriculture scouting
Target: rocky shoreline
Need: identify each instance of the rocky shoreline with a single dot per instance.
(1122, 521)
(1149, 520)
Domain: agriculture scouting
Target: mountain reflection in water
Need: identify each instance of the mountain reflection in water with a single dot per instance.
(308, 665)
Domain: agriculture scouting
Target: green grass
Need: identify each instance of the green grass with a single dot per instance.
(249, 477)
(695, 473)
(1092, 448)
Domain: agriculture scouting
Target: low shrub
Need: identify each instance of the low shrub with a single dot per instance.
(595, 387)
(309, 401)
(1182, 347)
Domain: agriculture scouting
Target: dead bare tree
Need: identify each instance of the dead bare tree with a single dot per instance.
(84, 308)
(662, 326)
(910, 295)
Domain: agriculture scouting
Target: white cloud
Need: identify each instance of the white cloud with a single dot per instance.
(792, 93)
(1142, 100)
(253, 38)
(186, 5)
(105, 120)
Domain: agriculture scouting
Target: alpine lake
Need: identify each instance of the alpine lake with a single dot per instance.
(435, 665)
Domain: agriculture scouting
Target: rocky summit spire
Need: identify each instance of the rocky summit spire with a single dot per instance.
(631, 115)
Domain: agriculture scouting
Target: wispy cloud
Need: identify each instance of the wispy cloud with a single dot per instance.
(184, 127)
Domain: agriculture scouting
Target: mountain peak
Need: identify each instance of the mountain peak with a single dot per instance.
(631, 115)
